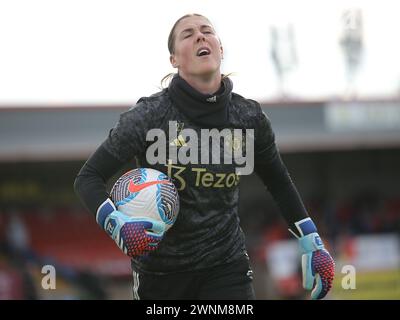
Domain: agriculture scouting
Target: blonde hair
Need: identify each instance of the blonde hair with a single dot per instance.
(166, 80)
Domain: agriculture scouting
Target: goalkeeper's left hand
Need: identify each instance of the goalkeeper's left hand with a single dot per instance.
(317, 264)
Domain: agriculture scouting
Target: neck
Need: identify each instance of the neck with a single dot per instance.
(205, 84)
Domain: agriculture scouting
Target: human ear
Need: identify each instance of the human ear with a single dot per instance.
(173, 61)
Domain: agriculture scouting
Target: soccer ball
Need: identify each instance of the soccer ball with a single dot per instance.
(146, 193)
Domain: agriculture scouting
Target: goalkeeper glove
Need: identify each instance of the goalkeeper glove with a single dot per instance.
(134, 236)
(317, 264)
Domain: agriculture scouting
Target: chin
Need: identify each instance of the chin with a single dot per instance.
(207, 71)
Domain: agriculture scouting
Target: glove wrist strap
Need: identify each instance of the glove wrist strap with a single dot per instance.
(104, 210)
(303, 227)
(310, 243)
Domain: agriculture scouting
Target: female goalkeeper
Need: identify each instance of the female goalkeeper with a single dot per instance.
(203, 256)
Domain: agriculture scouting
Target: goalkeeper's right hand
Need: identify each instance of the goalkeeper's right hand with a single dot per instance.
(134, 236)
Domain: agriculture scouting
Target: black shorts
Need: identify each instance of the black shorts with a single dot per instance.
(231, 281)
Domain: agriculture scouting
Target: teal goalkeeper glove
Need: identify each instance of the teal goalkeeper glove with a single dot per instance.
(317, 264)
(134, 236)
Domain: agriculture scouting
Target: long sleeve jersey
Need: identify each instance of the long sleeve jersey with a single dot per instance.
(207, 231)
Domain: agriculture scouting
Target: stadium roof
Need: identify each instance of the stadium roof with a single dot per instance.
(73, 132)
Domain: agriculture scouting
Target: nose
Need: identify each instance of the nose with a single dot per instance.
(200, 37)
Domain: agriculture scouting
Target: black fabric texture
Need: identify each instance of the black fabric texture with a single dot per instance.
(207, 110)
(90, 183)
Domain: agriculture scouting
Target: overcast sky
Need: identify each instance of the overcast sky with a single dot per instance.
(115, 51)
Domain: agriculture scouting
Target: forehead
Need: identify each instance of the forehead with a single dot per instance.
(192, 22)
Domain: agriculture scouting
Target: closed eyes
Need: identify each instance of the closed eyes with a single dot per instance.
(190, 34)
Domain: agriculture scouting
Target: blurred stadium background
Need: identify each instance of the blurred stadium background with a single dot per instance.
(325, 76)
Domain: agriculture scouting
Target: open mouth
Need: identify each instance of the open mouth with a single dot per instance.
(203, 52)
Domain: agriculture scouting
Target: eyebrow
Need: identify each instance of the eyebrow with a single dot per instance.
(204, 26)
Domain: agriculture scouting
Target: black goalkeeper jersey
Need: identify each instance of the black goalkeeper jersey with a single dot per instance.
(207, 231)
